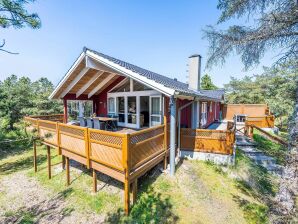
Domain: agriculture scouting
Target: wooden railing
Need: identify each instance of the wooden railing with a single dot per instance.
(122, 156)
(52, 117)
(211, 141)
(261, 122)
(249, 130)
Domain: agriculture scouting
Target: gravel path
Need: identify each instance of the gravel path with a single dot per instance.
(25, 196)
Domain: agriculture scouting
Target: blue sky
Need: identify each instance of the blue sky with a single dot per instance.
(153, 34)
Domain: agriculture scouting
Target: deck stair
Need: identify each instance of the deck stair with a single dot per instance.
(248, 146)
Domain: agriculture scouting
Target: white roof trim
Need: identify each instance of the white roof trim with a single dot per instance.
(73, 67)
(139, 78)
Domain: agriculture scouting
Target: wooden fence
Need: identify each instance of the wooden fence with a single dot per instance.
(122, 156)
(52, 117)
(230, 110)
(210, 141)
(266, 121)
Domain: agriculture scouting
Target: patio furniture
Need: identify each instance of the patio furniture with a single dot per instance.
(82, 121)
(89, 122)
(98, 124)
(109, 122)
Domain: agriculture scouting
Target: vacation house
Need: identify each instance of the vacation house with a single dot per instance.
(151, 118)
(138, 97)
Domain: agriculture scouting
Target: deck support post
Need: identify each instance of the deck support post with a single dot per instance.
(63, 162)
(172, 135)
(34, 156)
(94, 180)
(67, 171)
(49, 161)
(126, 164)
(134, 190)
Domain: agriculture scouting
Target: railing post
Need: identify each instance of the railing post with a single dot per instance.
(126, 164)
(86, 138)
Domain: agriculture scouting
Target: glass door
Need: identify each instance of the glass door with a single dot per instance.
(121, 109)
(155, 110)
(132, 110)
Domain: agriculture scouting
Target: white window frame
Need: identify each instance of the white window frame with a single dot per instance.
(155, 115)
(111, 112)
(137, 94)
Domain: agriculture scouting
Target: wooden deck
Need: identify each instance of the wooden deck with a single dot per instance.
(124, 155)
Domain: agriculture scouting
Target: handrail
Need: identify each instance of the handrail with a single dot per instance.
(274, 138)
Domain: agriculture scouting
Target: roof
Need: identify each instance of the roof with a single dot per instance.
(217, 93)
(159, 82)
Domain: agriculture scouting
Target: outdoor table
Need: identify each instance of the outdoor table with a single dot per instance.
(107, 121)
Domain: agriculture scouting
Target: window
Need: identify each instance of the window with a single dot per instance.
(204, 114)
(210, 107)
(124, 87)
(139, 87)
(111, 105)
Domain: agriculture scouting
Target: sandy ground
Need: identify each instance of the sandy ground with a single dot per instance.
(24, 195)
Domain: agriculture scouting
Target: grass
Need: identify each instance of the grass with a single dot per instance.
(277, 151)
(200, 192)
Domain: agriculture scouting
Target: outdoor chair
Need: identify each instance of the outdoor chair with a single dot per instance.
(82, 121)
(89, 123)
(98, 125)
(113, 124)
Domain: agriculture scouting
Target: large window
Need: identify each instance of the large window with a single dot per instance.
(204, 114)
(111, 105)
(79, 108)
(124, 87)
(139, 87)
(155, 110)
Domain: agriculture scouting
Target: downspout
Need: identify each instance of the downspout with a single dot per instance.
(179, 123)
(172, 134)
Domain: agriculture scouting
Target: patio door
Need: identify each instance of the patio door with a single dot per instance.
(155, 110)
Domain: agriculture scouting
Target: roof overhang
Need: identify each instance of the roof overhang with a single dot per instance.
(101, 65)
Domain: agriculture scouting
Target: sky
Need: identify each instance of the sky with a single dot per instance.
(152, 34)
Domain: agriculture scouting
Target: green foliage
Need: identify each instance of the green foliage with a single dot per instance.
(276, 87)
(272, 24)
(19, 96)
(275, 150)
(13, 13)
(150, 208)
(206, 83)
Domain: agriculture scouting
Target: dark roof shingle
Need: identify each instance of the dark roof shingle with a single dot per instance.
(180, 87)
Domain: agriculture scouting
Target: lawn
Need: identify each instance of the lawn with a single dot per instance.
(200, 192)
